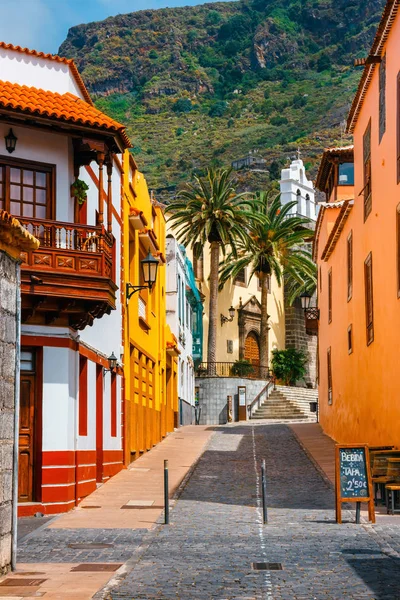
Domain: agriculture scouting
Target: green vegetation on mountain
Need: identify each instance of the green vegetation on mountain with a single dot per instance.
(205, 85)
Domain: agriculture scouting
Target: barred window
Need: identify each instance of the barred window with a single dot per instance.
(350, 266)
(329, 373)
(382, 98)
(367, 172)
(240, 278)
(369, 305)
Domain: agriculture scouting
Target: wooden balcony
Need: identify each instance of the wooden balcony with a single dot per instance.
(70, 279)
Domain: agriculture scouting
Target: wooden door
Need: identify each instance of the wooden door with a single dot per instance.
(252, 349)
(26, 437)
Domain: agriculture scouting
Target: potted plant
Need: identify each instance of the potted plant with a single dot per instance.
(79, 191)
(242, 368)
(289, 366)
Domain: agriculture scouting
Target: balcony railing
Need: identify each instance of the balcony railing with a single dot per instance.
(231, 369)
(70, 246)
(68, 236)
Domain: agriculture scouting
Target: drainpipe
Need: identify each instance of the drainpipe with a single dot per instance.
(14, 522)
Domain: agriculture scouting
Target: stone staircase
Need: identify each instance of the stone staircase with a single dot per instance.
(288, 404)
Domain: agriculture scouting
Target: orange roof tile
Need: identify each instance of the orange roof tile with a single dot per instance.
(13, 234)
(62, 107)
(59, 59)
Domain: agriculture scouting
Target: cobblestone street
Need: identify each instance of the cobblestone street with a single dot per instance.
(216, 532)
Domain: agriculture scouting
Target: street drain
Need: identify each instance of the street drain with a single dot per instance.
(264, 566)
(22, 582)
(90, 546)
(93, 567)
(90, 507)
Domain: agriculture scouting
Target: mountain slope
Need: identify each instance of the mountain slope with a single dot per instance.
(207, 84)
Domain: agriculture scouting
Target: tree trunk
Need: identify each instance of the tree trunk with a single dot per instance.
(264, 354)
(213, 309)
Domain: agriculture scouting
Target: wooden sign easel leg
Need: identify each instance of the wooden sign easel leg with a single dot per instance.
(371, 511)
(338, 511)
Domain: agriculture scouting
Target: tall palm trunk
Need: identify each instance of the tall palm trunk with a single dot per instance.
(213, 308)
(264, 358)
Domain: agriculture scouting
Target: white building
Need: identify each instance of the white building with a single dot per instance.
(295, 186)
(182, 316)
(70, 411)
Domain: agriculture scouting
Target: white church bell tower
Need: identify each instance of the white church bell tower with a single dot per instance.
(295, 186)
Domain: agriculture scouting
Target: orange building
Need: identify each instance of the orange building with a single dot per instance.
(357, 248)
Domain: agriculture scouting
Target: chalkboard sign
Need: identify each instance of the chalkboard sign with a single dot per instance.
(353, 479)
(353, 473)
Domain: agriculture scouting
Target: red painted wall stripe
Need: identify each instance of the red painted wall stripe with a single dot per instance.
(110, 456)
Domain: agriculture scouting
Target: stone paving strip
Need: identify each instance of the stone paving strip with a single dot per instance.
(216, 534)
(65, 552)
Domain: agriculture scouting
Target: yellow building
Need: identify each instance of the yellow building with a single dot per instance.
(150, 350)
(239, 338)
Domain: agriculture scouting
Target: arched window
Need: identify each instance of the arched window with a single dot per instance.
(308, 206)
(298, 198)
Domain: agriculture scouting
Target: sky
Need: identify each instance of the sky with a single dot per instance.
(43, 24)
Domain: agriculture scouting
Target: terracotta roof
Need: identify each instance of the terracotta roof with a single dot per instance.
(337, 204)
(383, 31)
(13, 234)
(54, 57)
(62, 107)
(326, 163)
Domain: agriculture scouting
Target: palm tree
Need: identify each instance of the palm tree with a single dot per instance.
(210, 210)
(275, 245)
(297, 282)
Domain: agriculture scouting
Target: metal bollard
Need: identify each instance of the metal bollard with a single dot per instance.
(166, 497)
(264, 491)
(358, 513)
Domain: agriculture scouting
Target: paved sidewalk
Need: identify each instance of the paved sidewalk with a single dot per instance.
(320, 446)
(97, 541)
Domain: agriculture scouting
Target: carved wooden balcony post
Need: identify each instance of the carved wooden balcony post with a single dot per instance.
(76, 205)
(109, 193)
(100, 162)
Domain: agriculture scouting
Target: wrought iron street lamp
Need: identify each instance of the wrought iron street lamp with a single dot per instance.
(11, 141)
(149, 270)
(112, 363)
(305, 298)
(311, 313)
(230, 318)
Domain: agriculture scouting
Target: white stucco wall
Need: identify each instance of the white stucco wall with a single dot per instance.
(48, 148)
(47, 74)
(60, 371)
(175, 268)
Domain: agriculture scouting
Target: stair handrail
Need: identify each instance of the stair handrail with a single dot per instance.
(257, 399)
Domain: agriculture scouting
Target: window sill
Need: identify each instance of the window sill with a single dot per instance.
(144, 324)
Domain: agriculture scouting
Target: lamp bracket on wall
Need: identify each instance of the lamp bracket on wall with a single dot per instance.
(230, 318)
(132, 289)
